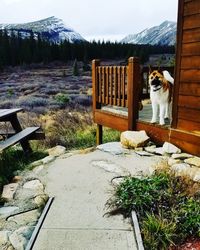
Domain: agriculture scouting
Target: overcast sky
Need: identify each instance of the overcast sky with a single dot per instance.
(93, 19)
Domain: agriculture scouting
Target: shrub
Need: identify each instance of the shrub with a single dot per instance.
(158, 232)
(62, 99)
(168, 207)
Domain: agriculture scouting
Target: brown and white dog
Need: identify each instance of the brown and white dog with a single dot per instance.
(160, 94)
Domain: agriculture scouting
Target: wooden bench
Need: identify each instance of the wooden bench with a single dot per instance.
(19, 135)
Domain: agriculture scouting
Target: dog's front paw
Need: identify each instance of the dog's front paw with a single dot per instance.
(153, 121)
(162, 122)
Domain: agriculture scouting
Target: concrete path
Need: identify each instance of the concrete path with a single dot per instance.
(81, 186)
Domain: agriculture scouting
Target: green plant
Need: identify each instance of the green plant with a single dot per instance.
(168, 207)
(188, 218)
(158, 232)
(139, 194)
(12, 160)
(62, 99)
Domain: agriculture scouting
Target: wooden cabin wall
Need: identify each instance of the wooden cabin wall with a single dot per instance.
(186, 105)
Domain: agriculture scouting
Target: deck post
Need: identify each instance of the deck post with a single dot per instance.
(133, 91)
(95, 103)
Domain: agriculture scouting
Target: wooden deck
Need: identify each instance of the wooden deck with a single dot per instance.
(116, 95)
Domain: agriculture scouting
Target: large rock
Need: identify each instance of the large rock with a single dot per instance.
(134, 139)
(170, 148)
(40, 200)
(4, 237)
(19, 238)
(193, 161)
(34, 185)
(181, 169)
(57, 150)
(9, 191)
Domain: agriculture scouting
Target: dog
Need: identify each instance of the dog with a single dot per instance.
(160, 94)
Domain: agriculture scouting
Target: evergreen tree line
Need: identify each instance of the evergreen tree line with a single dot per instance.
(15, 50)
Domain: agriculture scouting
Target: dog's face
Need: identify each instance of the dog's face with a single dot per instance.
(157, 80)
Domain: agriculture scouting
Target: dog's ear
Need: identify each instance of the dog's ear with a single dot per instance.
(150, 69)
(160, 71)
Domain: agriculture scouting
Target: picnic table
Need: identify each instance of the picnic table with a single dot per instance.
(19, 135)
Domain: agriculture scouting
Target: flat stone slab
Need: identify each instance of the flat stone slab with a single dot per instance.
(108, 166)
(114, 148)
(83, 239)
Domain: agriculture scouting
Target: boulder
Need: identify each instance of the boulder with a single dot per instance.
(34, 185)
(170, 148)
(193, 161)
(19, 238)
(9, 191)
(4, 237)
(181, 169)
(134, 139)
(57, 150)
(40, 200)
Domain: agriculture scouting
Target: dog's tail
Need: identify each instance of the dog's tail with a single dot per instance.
(168, 77)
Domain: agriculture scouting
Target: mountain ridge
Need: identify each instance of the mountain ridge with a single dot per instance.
(163, 34)
(52, 29)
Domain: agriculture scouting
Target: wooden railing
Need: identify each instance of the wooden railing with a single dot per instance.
(112, 85)
(118, 86)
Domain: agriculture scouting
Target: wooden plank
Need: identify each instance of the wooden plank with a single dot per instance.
(191, 8)
(189, 102)
(191, 49)
(4, 113)
(123, 86)
(119, 86)
(18, 137)
(190, 75)
(188, 125)
(111, 120)
(189, 114)
(107, 85)
(111, 84)
(95, 85)
(103, 85)
(38, 135)
(191, 35)
(190, 62)
(189, 89)
(178, 63)
(115, 85)
(133, 91)
(100, 84)
(191, 22)
(157, 133)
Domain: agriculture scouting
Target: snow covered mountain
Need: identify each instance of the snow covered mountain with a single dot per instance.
(51, 28)
(164, 34)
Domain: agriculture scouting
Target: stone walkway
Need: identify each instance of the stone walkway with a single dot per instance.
(81, 186)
